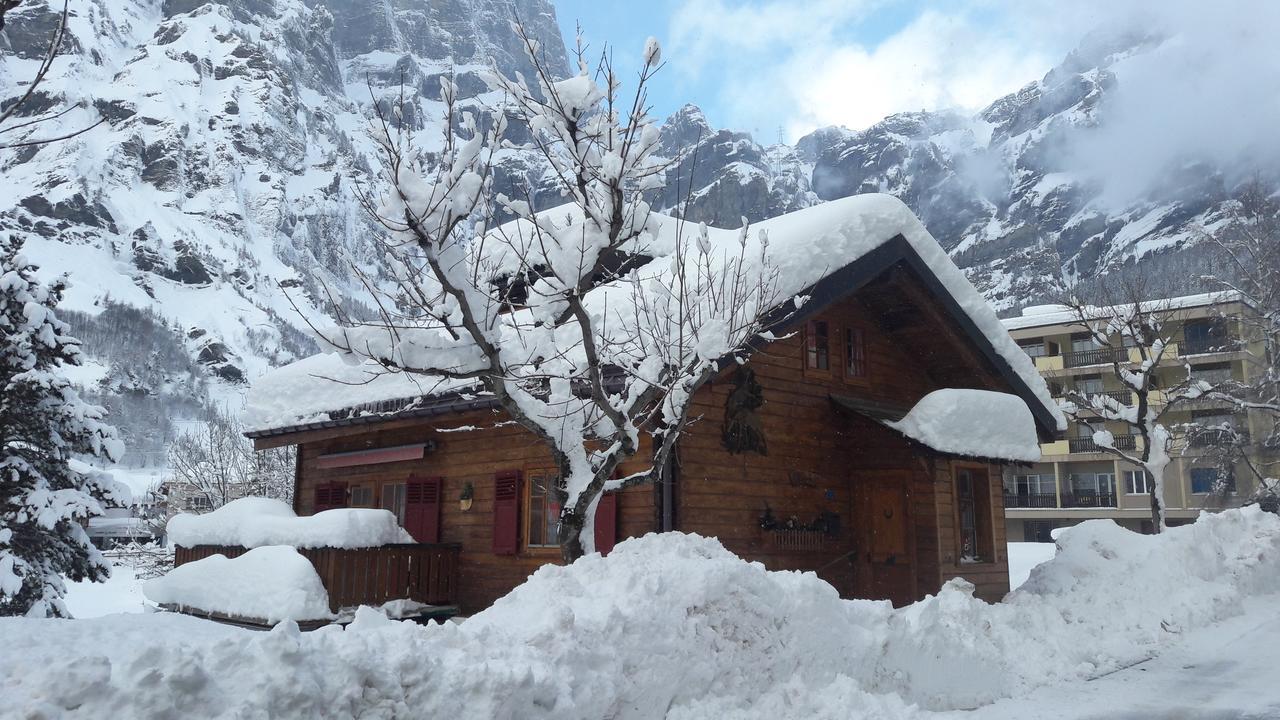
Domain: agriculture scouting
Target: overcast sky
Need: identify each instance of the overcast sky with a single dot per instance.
(789, 66)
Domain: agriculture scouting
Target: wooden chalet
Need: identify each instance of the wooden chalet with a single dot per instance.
(790, 462)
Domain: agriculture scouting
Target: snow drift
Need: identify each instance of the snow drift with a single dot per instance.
(271, 583)
(254, 522)
(674, 625)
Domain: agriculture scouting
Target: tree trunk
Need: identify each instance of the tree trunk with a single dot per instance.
(569, 535)
(1156, 525)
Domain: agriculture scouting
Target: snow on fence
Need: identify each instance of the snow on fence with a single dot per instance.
(368, 576)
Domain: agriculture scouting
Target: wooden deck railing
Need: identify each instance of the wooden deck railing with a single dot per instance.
(427, 573)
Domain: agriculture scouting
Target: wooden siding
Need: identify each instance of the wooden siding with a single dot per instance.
(820, 460)
(458, 458)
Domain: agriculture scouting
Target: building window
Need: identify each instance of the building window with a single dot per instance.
(1135, 482)
(973, 507)
(543, 516)
(1084, 342)
(1205, 336)
(1040, 531)
(1033, 348)
(1212, 373)
(855, 353)
(199, 503)
(393, 495)
(361, 496)
(1090, 385)
(818, 346)
(1208, 480)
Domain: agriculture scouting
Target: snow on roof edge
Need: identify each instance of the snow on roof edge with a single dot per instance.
(1061, 317)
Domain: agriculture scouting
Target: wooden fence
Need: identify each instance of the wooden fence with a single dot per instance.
(427, 573)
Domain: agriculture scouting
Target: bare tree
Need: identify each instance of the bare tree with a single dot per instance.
(215, 461)
(11, 118)
(1130, 331)
(583, 326)
(1249, 244)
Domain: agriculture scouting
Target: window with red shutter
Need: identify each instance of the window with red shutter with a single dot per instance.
(606, 523)
(422, 508)
(329, 496)
(506, 512)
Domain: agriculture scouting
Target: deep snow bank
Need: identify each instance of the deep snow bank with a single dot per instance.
(674, 625)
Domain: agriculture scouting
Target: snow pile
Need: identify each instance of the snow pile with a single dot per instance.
(254, 522)
(979, 423)
(1108, 599)
(675, 626)
(272, 583)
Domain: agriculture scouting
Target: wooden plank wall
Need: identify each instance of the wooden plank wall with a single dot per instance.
(460, 457)
(835, 454)
(816, 458)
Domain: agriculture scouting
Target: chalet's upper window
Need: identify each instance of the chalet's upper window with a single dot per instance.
(361, 496)
(393, 496)
(973, 506)
(855, 353)
(544, 512)
(818, 345)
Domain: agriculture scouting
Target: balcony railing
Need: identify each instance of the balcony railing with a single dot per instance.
(1214, 437)
(1032, 500)
(1204, 347)
(1102, 356)
(1088, 499)
(1087, 445)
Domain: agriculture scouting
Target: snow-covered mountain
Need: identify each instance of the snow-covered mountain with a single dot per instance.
(1001, 190)
(237, 144)
(230, 167)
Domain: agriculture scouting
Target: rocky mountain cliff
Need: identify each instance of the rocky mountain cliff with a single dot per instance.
(230, 167)
(236, 149)
(1000, 190)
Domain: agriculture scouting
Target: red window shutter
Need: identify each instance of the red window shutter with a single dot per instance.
(506, 512)
(606, 523)
(330, 495)
(422, 508)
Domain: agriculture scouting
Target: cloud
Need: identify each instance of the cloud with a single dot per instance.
(1210, 92)
(797, 64)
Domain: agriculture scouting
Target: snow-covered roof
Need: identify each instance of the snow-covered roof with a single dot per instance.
(254, 522)
(1044, 315)
(974, 423)
(806, 246)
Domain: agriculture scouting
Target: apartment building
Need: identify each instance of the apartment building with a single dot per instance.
(1075, 480)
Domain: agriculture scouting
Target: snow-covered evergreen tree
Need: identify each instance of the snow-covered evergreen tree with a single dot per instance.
(44, 425)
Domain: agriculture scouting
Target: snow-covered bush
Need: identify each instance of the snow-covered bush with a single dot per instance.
(43, 425)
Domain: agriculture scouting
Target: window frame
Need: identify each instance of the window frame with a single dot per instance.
(360, 489)
(865, 357)
(531, 475)
(810, 347)
(403, 494)
(1129, 484)
(986, 552)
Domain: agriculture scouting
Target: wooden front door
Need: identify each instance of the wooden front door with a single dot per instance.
(888, 549)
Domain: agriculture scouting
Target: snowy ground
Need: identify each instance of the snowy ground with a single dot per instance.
(122, 593)
(1117, 625)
